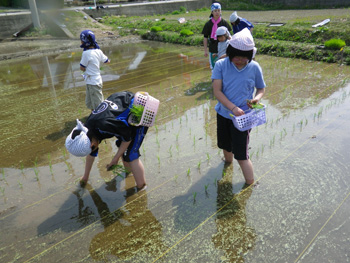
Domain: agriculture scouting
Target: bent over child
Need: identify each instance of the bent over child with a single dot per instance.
(110, 119)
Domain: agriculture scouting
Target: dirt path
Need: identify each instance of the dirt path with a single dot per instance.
(75, 21)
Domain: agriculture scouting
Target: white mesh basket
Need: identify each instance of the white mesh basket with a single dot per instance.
(150, 105)
(250, 119)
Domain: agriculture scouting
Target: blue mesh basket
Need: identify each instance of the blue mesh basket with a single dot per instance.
(250, 119)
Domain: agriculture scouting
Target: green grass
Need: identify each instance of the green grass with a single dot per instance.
(336, 44)
(296, 39)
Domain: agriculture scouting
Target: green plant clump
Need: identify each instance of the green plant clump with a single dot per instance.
(186, 32)
(156, 29)
(334, 43)
(137, 111)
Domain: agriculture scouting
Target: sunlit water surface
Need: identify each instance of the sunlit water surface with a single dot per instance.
(195, 208)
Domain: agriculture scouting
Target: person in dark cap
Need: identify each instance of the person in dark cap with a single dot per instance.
(90, 62)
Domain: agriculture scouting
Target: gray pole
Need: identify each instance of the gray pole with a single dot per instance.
(34, 12)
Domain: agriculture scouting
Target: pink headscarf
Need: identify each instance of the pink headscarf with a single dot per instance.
(215, 27)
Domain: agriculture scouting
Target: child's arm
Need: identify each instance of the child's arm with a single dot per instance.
(220, 96)
(123, 147)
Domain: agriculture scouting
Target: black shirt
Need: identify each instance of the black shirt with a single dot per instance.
(213, 44)
(110, 118)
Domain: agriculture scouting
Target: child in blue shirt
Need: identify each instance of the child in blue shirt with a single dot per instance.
(235, 79)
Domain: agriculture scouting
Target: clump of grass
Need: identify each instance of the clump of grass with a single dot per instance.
(186, 32)
(156, 29)
(334, 43)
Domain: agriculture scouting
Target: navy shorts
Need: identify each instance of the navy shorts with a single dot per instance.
(133, 151)
(231, 139)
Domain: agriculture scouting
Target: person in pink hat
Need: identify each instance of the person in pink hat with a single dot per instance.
(235, 80)
(209, 32)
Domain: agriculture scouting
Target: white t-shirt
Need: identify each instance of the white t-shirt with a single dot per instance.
(91, 60)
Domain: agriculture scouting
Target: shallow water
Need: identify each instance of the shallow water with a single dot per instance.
(194, 209)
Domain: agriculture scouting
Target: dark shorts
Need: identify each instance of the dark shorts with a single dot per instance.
(231, 139)
(133, 151)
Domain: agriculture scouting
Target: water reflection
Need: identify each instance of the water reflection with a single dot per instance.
(233, 235)
(129, 232)
(52, 93)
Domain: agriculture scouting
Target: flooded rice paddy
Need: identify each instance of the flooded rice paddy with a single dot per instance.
(195, 208)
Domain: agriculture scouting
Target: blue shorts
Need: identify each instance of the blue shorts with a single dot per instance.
(231, 139)
(133, 151)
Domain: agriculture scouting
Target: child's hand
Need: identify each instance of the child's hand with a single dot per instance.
(254, 104)
(237, 111)
(111, 166)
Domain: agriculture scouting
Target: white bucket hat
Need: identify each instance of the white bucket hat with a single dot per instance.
(222, 30)
(233, 17)
(81, 145)
(243, 40)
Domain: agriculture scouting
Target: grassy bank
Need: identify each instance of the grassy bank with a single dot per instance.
(295, 39)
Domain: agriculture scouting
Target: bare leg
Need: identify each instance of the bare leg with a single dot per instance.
(88, 165)
(228, 156)
(139, 172)
(247, 169)
(127, 167)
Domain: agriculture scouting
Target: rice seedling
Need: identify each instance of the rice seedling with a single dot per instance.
(251, 155)
(36, 170)
(2, 190)
(64, 153)
(158, 159)
(175, 177)
(215, 181)
(170, 152)
(157, 141)
(194, 197)
(199, 165)
(20, 185)
(50, 163)
(188, 171)
(36, 174)
(208, 156)
(206, 188)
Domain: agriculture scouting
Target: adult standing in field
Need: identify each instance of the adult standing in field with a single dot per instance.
(239, 23)
(90, 62)
(235, 79)
(209, 33)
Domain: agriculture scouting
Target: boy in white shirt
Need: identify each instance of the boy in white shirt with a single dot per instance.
(90, 63)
